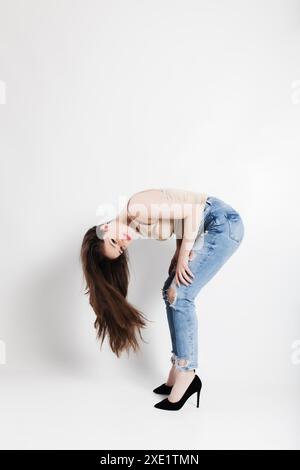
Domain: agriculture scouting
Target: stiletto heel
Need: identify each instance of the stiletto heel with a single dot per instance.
(195, 386)
(164, 389)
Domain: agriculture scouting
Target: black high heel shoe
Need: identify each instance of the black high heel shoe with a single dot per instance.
(195, 386)
(164, 389)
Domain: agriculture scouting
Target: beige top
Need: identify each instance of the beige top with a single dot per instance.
(163, 229)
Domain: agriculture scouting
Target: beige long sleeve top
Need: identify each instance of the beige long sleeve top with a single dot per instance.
(163, 229)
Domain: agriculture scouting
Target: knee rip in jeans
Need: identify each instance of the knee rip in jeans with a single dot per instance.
(174, 292)
(171, 294)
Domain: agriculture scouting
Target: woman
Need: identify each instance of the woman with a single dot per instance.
(207, 231)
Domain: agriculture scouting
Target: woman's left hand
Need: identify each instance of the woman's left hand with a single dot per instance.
(183, 273)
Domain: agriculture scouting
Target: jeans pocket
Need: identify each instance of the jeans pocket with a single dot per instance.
(235, 226)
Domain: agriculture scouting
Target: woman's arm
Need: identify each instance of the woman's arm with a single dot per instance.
(190, 231)
(174, 260)
(178, 243)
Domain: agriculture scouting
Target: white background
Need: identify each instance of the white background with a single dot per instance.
(106, 98)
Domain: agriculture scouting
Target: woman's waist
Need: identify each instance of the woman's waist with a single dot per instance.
(215, 205)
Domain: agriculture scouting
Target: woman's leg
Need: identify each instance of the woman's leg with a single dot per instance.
(222, 237)
(169, 310)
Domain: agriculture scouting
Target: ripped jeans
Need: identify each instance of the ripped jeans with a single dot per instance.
(219, 236)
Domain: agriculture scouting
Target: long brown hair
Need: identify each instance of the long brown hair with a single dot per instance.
(107, 285)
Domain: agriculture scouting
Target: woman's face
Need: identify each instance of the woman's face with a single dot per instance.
(117, 237)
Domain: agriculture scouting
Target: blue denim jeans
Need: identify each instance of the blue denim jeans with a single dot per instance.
(219, 236)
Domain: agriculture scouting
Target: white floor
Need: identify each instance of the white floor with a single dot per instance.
(71, 412)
